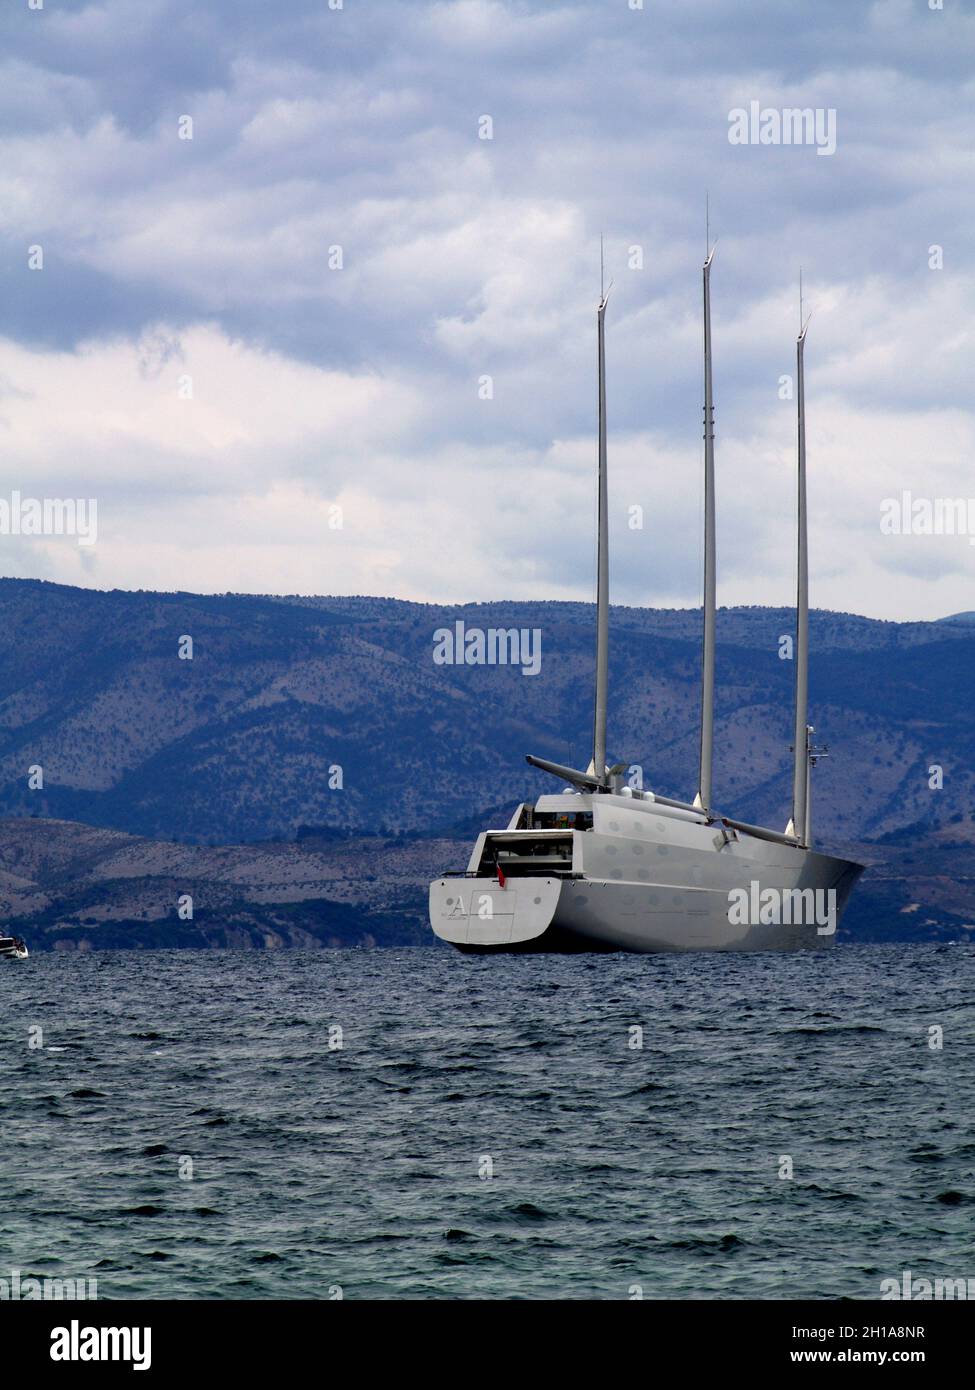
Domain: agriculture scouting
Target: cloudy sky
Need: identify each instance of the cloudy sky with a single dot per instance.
(191, 353)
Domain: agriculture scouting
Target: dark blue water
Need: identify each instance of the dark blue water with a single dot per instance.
(360, 1168)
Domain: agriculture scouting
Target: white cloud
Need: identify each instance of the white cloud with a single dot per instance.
(465, 257)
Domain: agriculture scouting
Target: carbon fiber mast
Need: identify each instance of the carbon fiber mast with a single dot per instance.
(598, 768)
(703, 798)
(799, 825)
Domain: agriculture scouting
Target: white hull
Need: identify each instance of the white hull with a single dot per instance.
(645, 881)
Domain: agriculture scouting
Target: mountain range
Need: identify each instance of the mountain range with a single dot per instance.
(251, 744)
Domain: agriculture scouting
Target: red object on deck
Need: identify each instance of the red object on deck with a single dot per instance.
(501, 878)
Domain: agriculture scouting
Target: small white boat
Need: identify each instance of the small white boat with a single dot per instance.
(13, 948)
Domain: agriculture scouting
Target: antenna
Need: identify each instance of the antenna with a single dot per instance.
(707, 223)
(804, 318)
(602, 276)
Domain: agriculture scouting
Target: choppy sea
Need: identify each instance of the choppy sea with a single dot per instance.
(419, 1124)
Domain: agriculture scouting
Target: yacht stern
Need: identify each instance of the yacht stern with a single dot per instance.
(477, 914)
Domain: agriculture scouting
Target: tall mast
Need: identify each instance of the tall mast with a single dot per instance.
(707, 670)
(800, 776)
(602, 558)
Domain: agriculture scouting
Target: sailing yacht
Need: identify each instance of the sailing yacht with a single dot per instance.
(604, 866)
